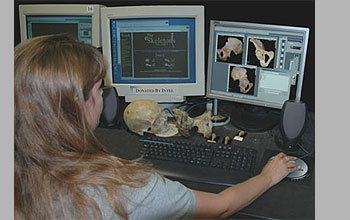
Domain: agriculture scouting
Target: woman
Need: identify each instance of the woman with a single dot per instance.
(63, 172)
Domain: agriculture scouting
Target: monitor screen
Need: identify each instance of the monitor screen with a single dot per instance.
(256, 64)
(82, 22)
(146, 50)
(154, 52)
(79, 27)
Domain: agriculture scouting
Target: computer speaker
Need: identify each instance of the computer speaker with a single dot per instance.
(292, 125)
(111, 112)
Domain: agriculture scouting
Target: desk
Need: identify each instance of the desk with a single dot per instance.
(287, 200)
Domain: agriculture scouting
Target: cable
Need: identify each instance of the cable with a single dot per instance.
(169, 112)
(184, 104)
(194, 105)
(307, 152)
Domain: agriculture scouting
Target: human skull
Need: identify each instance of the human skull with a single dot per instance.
(145, 116)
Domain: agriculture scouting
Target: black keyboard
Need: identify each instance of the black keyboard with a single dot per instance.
(220, 164)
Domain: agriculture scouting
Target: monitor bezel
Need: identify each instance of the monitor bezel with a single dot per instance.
(93, 10)
(181, 89)
(300, 30)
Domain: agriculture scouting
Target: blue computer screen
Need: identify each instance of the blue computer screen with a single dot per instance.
(153, 50)
(79, 27)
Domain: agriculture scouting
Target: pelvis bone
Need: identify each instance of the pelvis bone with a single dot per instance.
(260, 52)
(239, 73)
(185, 123)
(232, 44)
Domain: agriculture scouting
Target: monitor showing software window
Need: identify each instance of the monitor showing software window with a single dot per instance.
(154, 52)
(81, 21)
(261, 65)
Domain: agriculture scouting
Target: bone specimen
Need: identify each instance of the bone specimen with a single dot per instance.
(204, 124)
(232, 44)
(185, 123)
(146, 116)
(260, 52)
(239, 73)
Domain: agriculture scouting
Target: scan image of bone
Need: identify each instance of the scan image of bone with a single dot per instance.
(261, 52)
(241, 80)
(229, 49)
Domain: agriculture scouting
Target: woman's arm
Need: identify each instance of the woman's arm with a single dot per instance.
(231, 200)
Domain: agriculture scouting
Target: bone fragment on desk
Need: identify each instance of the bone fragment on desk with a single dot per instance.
(213, 138)
(185, 123)
(227, 140)
(240, 136)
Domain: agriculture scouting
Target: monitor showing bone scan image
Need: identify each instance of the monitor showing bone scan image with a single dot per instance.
(258, 65)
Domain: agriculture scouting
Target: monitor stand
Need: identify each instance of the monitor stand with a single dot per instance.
(219, 120)
(254, 118)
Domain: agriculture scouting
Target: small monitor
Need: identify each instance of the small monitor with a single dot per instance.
(154, 52)
(256, 64)
(82, 22)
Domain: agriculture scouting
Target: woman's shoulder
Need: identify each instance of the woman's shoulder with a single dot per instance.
(162, 198)
(159, 198)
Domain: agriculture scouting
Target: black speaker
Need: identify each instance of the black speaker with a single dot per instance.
(111, 115)
(292, 125)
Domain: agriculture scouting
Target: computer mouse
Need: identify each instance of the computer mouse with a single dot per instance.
(301, 170)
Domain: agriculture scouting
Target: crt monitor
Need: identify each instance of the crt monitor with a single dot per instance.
(260, 65)
(81, 21)
(154, 52)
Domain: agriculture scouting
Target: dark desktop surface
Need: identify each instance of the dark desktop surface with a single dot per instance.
(290, 199)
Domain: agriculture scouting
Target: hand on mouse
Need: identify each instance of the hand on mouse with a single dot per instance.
(279, 167)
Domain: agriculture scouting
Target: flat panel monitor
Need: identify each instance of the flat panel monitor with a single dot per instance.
(81, 21)
(260, 65)
(154, 52)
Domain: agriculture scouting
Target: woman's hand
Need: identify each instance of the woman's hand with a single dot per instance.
(279, 167)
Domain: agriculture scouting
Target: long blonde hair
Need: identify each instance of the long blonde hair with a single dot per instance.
(55, 150)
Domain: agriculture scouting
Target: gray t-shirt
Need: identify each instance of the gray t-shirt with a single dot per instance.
(157, 200)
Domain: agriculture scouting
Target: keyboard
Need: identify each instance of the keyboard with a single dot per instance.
(210, 163)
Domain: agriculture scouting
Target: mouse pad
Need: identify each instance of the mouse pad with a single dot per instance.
(310, 161)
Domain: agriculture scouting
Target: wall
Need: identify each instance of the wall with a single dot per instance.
(282, 12)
